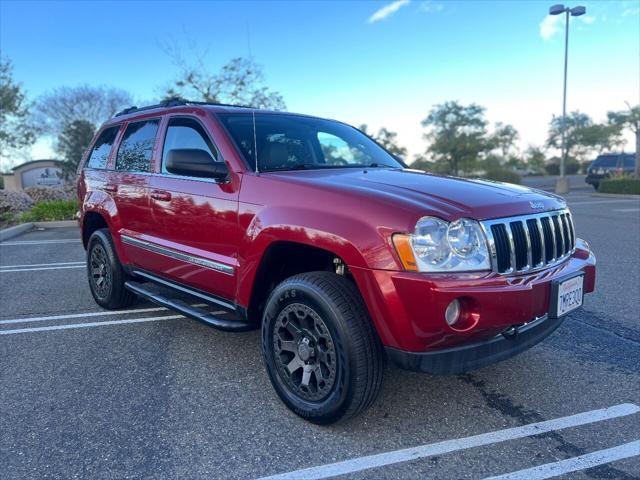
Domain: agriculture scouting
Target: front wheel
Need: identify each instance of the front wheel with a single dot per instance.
(321, 352)
(105, 273)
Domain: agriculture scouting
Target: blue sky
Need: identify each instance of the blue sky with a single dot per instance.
(383, 63)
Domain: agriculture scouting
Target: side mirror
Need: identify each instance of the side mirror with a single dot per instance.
(195, 163)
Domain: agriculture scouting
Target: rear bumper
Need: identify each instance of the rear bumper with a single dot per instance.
(452, 361)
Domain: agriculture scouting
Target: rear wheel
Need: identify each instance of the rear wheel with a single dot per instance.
(322, 354)
(105, 273)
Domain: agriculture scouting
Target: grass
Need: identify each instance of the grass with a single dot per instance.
(621, 184)
(51, 211)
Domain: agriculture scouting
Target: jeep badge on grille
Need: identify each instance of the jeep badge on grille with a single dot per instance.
(537, 205)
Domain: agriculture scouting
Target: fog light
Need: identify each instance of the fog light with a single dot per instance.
(452, 313)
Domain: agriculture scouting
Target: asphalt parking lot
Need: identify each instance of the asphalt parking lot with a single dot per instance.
(145, 393)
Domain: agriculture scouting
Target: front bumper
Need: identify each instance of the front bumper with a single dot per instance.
(452, 361)
(408, 309)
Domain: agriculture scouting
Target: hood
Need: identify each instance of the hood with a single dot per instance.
(428, 194)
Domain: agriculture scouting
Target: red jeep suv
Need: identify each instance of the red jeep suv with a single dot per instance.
(308, 229)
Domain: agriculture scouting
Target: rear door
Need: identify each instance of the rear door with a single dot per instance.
(194, 227)
(129, 183)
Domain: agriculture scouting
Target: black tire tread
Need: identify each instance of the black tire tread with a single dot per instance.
(365, 343)
(121, 297)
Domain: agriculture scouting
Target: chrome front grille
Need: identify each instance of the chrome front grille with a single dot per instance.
(529, 242)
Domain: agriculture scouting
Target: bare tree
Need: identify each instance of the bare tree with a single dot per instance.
(59, 108)
(239, 82)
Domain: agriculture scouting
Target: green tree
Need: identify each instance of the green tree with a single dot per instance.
(388, 139)
(72, 142)
(576, 123)
(600, 137)
(629, 119)
(535, 158)
(15, 130)
(59, 108)
(457, 135)
(504, 139)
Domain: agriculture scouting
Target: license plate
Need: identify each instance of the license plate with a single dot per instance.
(566, 295)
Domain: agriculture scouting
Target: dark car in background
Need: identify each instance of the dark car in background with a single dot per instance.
(609, 164)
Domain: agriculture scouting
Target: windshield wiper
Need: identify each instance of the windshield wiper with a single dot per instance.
(297, 166)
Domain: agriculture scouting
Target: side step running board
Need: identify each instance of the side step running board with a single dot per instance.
(189, 311)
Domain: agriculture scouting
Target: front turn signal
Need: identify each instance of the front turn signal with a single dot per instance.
(405, 252)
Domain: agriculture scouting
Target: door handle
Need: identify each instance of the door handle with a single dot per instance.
(160, 195)
(110, 187)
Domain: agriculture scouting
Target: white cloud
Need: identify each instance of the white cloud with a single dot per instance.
(630, 11)
(430, 7)
(550, 26)
(387, 10)
(588, 19)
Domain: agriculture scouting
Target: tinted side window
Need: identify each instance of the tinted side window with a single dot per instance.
(134, 154)
(186, 133)
(102, 148)
(628, 161)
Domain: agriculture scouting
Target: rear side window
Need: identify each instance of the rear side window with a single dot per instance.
(136, 147)
(102, 148)
(186, 133)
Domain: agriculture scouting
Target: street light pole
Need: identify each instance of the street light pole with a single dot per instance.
(563, 157)
(562, 185)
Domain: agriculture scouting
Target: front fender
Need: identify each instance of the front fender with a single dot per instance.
(357, 242)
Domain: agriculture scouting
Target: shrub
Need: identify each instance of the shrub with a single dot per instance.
(620, 184)
(51, 211)
(46, 194)
(14, 202)
(502, 175)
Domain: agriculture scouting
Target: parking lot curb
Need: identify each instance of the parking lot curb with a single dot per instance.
(7, 233)
(57, 224)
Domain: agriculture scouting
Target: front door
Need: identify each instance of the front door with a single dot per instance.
(194, 220)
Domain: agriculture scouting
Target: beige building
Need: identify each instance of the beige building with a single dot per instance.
(36, 173)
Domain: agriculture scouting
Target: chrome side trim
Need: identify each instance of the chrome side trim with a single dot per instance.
(202, 262)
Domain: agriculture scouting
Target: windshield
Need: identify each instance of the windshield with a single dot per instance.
(292, 142)
(605, 161)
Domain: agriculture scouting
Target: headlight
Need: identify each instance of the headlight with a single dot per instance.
(439, 246)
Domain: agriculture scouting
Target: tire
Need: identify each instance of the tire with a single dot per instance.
(317, 323)
(103, 264)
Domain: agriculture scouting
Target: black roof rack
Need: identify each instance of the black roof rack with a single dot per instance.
(174, 102)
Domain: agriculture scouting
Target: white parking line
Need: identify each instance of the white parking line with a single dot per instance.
(38, 242)
(30, 265)
(601, 202)
(624, 210)
(87, 325)
(448, 446)
(63, 267)
(582, 462)
(95, 314)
